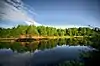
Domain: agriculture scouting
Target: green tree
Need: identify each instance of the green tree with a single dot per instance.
(42, 30)
(31, 30)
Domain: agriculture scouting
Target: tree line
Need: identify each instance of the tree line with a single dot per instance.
(44, 31)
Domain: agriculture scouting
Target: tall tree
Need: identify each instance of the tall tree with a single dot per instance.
(31, 30)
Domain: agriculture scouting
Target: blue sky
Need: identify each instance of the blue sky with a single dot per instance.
(64, 12)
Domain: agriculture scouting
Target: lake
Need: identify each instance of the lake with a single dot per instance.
(53, 52)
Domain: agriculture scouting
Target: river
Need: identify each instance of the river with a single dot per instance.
(57, 52)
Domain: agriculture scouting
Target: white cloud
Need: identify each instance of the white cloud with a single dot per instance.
(16, 11)
(66, 26)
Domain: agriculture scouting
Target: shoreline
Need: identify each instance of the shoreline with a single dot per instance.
(37, 38)
(48, 37)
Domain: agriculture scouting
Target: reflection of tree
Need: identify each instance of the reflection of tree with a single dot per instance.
(71, 63)
(91, 58)
(61, 42)
(44, 44)
(94, 59)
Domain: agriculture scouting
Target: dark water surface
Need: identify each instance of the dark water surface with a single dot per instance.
(44, 53)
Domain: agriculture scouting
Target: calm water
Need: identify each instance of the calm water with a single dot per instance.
(42, 53)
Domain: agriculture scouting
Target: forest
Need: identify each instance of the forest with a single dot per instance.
(32, 30)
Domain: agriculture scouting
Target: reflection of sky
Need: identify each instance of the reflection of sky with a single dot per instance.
(48, 56)
(63, 12)
(9, 58)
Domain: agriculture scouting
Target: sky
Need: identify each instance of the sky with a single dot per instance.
(61, 13)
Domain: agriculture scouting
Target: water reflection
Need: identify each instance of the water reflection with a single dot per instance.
(43, 44)
(58, 55)
(41, 57)
(10, 58)
(42, 53)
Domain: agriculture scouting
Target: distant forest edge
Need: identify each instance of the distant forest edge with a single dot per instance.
(42, 31)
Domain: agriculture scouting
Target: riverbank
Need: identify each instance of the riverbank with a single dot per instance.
(38, 38)
(49, 37)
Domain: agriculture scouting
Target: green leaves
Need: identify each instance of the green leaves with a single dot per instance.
(44, 31)
(32, 30)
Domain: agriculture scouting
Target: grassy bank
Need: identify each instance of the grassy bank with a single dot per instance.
(39, 38)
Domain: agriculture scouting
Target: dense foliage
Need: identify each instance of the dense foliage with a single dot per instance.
(44, 31)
